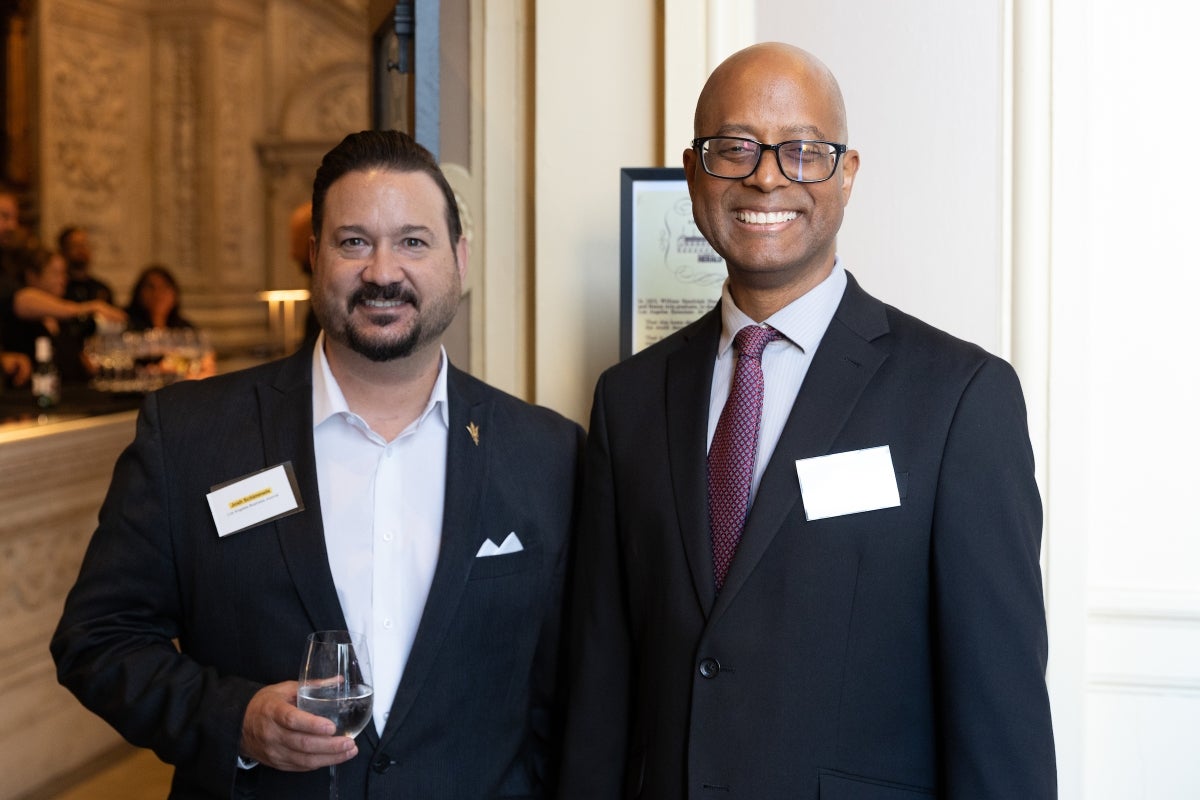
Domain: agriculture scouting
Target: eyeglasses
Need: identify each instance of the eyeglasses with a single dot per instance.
(800, 160)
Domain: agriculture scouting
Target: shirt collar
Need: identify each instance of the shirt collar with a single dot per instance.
(328, 400)
(802, 321)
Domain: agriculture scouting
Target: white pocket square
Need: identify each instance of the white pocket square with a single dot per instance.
(511, 544)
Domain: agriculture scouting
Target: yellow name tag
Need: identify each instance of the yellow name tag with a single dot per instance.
(254, 499)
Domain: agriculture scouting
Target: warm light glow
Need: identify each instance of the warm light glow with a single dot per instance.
(285, 295)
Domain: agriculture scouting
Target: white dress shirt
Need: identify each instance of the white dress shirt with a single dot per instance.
(381, 505)
(785, 362)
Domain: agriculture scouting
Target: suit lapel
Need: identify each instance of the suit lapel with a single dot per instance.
(466, 475)
(286, 409)
(844, 364)
(689, 384)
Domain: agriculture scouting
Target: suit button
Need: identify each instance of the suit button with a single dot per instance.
(382, 763)
(709, 667)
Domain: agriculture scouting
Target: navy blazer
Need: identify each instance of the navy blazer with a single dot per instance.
(885, 655)
(476, 713)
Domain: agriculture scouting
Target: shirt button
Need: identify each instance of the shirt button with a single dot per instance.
(709, 667)
(387, 537)
(387, 624)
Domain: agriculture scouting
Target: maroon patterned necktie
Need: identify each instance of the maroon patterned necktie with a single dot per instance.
(734, 445)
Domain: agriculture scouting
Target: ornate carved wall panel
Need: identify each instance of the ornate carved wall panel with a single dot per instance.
(94, 140)
(185, 132)
(319, 69)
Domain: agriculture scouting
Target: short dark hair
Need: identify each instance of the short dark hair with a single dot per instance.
(137, 312)
(65, 234)
(393, 150)
(30, 260)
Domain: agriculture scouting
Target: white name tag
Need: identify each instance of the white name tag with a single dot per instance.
(254, 499)
(848, 483)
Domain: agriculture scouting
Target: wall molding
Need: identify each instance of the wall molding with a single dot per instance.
(1136, 606)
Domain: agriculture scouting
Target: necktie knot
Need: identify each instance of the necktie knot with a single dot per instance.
(751, 340)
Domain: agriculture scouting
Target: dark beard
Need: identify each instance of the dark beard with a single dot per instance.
(424, 330)
(386, 350)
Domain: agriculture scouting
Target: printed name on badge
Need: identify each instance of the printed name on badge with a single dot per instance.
(259, 497)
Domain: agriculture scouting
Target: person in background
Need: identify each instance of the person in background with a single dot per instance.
(13, 239)
(10, 213)
(807, 565)
(402, 499)
(76, 249)
(15, 368)
(19, 252)
(154, 301)
(45, 273)
(299, 232)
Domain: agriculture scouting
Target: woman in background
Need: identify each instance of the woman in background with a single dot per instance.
(169, 344)
(39, 309)
(154, 302)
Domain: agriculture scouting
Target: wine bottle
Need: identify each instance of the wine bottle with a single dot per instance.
(45, 374)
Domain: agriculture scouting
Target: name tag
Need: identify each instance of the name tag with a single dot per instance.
(847, 483)
(254, 499)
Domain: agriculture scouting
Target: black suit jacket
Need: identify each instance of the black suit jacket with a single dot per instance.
(475, 714)
(885, 655)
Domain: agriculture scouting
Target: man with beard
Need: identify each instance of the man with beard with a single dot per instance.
(15, 368)
(82, 285)
(362, 484)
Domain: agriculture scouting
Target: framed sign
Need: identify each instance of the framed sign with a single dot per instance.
(670, 275)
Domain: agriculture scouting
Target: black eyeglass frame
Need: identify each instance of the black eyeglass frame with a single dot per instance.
(839, 150)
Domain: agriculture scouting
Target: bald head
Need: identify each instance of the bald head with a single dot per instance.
(776, 232)
(762, 66)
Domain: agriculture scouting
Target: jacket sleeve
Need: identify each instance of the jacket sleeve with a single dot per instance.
(990, 629)
(600, 651)
(115, 644)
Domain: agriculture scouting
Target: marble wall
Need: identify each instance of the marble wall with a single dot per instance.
(52, 480)
(186, 132)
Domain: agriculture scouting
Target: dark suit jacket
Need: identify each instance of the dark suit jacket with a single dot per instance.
(475, 714)
(885, 655)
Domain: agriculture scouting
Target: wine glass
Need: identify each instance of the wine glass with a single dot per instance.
(335, 683)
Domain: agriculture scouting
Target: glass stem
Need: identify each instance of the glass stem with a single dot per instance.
(333, 790)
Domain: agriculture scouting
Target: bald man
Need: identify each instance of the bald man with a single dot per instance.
(808, 561)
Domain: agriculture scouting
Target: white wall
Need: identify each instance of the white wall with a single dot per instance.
(1102, 299)
(1126, 382)
(922, 81)
(595, 106)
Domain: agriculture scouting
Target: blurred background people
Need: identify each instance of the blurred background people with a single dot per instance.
(169, 347)
(300, 232)
(10, 219)
(15, 368)
(76, 249)
(154, 301)
(38, 308)
(12, 237)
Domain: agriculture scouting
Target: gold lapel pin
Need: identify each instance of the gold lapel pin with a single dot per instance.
(473, 429)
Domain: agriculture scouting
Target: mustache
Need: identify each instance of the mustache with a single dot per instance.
(392, 291)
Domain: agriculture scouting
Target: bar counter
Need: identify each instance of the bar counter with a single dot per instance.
(54, 470)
